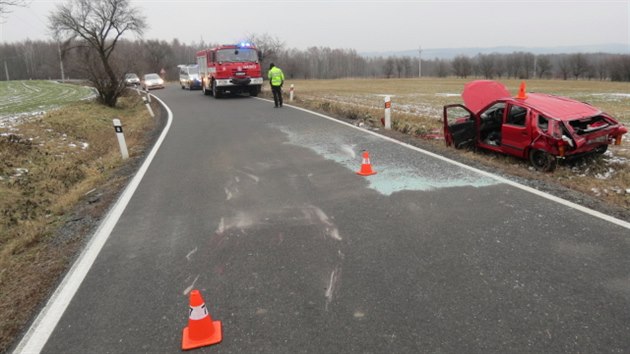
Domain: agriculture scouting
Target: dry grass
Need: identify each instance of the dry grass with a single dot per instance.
(49, 164)
(417, 111)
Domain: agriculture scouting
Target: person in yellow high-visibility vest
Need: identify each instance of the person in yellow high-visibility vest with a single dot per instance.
(276, 79)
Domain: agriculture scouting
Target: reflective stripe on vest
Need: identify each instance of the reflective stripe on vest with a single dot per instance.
(276, 76)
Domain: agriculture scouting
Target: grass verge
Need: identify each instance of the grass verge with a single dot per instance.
(51, 165)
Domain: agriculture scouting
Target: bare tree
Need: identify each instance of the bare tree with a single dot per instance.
(399, 66)
(543, 66)
(441, 68)
(5, 5)
(486, 65)
(578, 65)
(158, 55)
(619, 68)
(269, 46)
(388, 68)
(462, 66)
(564, 67)
(96, 26)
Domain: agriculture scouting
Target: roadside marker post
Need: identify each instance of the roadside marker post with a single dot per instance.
(148, 96)
(121, 139)
(146, 102)
(291, 93)
(388, 113)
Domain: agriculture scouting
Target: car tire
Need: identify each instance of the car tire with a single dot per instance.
(215, 91)
(542, 160)
(600, 150)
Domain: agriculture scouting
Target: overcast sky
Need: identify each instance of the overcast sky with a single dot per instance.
(367, 26)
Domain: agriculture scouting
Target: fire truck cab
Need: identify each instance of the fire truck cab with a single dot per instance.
(233, 68)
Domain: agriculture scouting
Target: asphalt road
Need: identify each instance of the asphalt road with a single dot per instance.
(261, 210)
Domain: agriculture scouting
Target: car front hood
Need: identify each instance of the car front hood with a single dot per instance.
(480, 93)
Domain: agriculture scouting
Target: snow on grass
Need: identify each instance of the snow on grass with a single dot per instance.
(21, 100)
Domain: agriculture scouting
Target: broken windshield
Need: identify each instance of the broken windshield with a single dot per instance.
(237, 55)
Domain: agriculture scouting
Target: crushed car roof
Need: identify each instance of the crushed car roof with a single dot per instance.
(480, 93)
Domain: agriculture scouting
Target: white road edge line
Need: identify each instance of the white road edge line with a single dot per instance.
(545, 195)
(47, 319)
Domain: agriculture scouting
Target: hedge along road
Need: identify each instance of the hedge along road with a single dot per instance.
(261, 210)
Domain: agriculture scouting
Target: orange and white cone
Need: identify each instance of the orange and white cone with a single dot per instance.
(366, 166)
(201, 330)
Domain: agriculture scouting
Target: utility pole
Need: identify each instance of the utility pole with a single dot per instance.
(419, 61)
(63, 78)
(6, 70)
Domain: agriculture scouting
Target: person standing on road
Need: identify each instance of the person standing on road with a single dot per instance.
(276, 79)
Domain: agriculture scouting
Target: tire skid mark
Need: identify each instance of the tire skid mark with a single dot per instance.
(189, 289)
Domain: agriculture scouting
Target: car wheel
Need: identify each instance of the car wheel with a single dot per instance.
(542, 160)
(600, 150)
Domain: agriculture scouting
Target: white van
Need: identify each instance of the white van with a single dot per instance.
(189, 77)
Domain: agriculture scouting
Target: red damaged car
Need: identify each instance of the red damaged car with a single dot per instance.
(539, 127)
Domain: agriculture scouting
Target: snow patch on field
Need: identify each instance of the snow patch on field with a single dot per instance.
(16, 119)
(23, 100)
(612, 95)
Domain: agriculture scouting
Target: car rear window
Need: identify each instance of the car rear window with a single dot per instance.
(589, 125)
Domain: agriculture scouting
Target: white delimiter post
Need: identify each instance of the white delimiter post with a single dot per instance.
(148, 107)
(121, 139)
(148, 95)
(291, 93)
(388, 113)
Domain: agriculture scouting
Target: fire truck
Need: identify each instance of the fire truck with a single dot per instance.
(232, 68)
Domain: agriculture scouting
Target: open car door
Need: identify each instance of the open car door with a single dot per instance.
(460, 128)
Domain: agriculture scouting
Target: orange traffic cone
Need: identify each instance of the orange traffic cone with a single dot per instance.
(201, 330)
(366, 166)
(521, 91)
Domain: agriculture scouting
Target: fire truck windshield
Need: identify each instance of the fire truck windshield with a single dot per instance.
(237, 55)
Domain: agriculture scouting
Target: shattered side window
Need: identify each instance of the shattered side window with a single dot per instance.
(517, 116)
(494, 113)
(457, 115)
(543, 123)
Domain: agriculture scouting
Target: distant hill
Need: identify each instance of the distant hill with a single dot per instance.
(450, 53)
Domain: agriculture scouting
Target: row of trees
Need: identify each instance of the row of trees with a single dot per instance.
(88, 44)
(42, 59)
